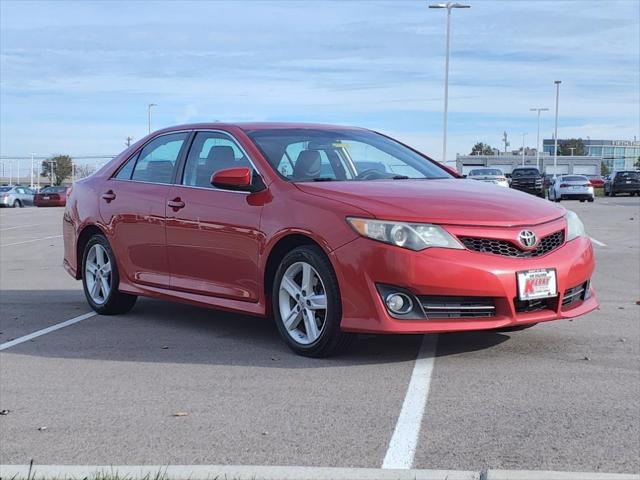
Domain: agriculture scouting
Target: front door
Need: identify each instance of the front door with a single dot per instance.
(133, 203)
(213, 235)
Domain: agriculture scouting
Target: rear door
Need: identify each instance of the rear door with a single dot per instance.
(213, 235)
(132, 204)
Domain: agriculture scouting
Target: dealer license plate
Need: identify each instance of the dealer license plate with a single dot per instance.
(534, 284)
(46, 198)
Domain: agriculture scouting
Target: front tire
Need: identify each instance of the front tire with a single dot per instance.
(307, 305)
(17, 204)
(100, 279)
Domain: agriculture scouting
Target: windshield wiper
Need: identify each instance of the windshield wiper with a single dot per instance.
(324, 179)
(400, 177)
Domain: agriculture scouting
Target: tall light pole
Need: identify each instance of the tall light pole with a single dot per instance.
(31, 176)
(555, 132)
(523, 135)
(448, 6)
(149, 114)
(538, 138)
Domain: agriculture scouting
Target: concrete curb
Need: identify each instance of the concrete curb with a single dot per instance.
(246, 472)
(228, 472)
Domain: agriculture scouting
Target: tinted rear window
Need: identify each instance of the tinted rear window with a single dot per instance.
(485, 171)
(53, 190)
(574, 178)
(628, 175)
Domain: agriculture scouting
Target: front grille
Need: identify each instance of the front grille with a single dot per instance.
(457, 307)
(524, 306)
(575, 294)
(510, 249)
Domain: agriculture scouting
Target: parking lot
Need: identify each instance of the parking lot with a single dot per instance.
(175, 384)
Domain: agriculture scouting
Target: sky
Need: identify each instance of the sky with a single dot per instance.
(76, 77)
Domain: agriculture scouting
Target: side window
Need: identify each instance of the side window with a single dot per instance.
(127, 169)
(210, 152)
(157, 159)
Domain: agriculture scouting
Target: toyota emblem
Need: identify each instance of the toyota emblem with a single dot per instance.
(527, 238)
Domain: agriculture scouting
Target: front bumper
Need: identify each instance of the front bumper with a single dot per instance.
(363, 265)
(532, 189)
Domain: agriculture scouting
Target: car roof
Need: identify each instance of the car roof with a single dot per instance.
(254, 126)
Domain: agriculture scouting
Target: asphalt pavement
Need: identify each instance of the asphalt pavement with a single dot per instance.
(175, 384)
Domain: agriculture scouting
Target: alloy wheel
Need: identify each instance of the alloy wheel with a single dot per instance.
(97, 272)
(303, 303)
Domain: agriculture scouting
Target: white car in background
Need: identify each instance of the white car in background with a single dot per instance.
(490, 175)
(571, 187)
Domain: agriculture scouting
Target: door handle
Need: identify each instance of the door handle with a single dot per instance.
(109, 196)
(176, 204)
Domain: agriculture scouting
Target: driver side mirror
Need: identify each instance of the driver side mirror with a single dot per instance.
(237, 178)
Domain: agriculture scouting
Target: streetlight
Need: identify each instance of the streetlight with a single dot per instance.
(149, 113)
(448, 6)
(523, 135)
(538, 140)
(31, 184)
(555, 133)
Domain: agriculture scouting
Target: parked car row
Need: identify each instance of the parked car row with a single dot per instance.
(560, 187)
(17, 196)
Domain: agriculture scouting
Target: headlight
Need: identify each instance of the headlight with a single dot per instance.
(414, 236)
(575, 228)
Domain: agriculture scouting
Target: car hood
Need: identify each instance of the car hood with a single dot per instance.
(445, 201)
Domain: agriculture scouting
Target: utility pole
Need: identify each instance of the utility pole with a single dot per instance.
(149, 114)
(129, 140)
(572, 149)
(523, 135)
(449, 6)
(555, 133)
(538, 138)
(505, 140)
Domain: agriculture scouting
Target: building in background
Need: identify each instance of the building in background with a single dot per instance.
(615, 154)
(579, 165)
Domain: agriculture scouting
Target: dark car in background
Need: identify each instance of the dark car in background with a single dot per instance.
(51, 197)
(528, 179)
(624, 181)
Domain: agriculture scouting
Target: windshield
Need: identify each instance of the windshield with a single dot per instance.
(525, 172)
(305, 155)
(485, 171)
(53, 189)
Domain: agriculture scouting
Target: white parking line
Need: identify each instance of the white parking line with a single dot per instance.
(29, 241)
(597, 242)
(44, 331)
(17, 226)
(402, 447)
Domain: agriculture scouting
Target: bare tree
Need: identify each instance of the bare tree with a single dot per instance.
(84, 170)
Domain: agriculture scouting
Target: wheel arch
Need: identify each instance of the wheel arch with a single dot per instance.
(278, 251)
(85, 234)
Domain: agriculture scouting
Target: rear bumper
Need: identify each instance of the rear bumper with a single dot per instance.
(624, 188)
(50, 203)
(363, 265)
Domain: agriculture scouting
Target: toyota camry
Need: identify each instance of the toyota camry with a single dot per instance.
(329, 230)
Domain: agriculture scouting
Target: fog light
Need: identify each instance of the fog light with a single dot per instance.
(399, 303)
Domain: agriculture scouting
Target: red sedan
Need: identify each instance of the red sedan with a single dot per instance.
(331, 230)
(51, 197)
(596, 181)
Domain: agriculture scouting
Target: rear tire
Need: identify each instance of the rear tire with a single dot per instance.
(303, 284)
(100, 279)
(591, 200)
